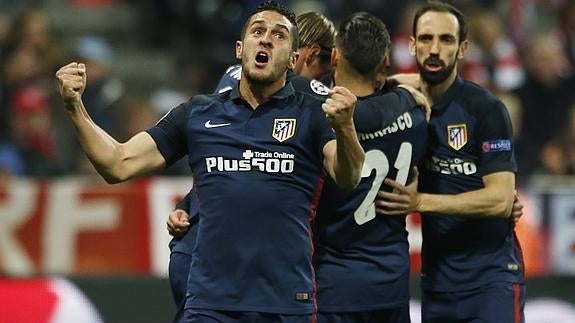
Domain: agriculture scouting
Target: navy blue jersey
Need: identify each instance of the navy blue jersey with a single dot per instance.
(377, 112)
(362, 260)
(257, 176)
(470, 136)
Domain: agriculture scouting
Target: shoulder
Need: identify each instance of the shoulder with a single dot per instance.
(477, 98)
(205, 99)
(309, 86)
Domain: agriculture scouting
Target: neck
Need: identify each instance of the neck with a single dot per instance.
(356, 84)
(433, 92)
(256, 93)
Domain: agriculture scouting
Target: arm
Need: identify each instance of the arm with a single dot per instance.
(114, 161)
(343, 157)
(495, 199)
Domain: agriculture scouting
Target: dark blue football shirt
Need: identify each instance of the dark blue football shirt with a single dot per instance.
(470, 136)
(379, 112)
(362, 260)
(257, 177)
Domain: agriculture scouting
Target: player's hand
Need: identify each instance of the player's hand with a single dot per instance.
(178, 223)
(411, 79)
(402, 201)
(339, 107)
(419, 98)
(71, 83)
(517, 210)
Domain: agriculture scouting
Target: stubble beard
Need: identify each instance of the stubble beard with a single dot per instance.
(267, 78)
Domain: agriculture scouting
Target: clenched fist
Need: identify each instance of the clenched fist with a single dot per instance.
(71, 83)
(339, 107)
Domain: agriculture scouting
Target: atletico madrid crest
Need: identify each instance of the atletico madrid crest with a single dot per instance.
(284, 129)
(457, 136)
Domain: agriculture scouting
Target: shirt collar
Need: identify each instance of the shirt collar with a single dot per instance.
(282, 93)
(448, 96)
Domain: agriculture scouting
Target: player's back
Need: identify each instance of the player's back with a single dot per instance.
(362, 260)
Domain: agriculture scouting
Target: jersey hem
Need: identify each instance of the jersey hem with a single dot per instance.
(358, 308)
(251, 308)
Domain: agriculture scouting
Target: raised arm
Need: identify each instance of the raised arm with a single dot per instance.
(114, 161)
(343, 158)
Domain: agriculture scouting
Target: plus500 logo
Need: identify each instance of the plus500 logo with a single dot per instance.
(264, 162)
(452, 166)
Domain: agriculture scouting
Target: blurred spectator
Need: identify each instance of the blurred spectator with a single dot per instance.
(558, 155)
(29, 56)
(545, 98)
(33, 133)
(566, 30)
(31, 33)
(492, 60)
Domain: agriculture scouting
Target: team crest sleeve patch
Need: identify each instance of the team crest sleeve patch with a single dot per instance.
(496, 145)
(283, 129)
(318, 87)
(457, 136)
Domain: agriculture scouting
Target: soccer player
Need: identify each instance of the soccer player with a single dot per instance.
(362, 261)
(472, 269)
(258, 154)
(317, 35)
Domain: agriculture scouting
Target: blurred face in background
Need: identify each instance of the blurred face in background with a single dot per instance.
(545, 60)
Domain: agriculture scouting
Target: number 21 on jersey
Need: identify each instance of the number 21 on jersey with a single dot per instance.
(376, 160)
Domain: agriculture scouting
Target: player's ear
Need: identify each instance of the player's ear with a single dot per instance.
(463, 49)
(334, 57)
(411, 45)
(293, 59)
(239, 48)
(312, 53)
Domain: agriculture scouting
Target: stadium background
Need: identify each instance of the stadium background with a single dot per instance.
(70, 241)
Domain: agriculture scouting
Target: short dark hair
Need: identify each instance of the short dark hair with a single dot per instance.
(282, 10)
(438, 6)
(363, 40)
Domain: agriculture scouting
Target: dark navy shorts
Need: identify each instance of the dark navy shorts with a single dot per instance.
(391, 315)
(491, 303)
(193, 315)
(178, 271)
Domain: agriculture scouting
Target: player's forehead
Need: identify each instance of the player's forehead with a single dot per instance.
(271, 19)
(437, 23)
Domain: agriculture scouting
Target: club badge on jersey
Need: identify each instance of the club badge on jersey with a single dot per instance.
(283, 129)
(457, 136)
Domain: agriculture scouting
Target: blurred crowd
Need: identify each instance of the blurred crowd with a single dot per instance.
(522, 50)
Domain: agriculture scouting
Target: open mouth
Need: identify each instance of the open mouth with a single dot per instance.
(433, 65)
(262, 58)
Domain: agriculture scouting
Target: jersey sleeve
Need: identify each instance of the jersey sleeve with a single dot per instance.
(378, 112)
(229, 79)
(184, 204)
(322, 127)
(495, 137)
(169, 134)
